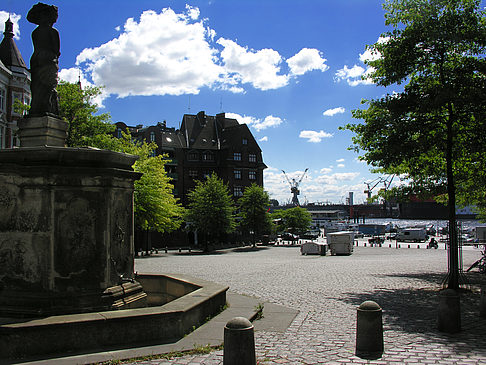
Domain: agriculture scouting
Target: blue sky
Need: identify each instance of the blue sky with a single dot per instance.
(289, 69)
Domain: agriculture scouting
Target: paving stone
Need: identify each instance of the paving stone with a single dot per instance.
(327, 290)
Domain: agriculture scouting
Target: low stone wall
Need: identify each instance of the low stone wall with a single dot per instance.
(39, 338)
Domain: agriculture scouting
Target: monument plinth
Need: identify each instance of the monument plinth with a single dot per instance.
(42, 131)
(66, 231)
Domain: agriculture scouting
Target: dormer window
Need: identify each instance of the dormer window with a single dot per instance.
(208, 156)
(193, 156)
(244, 141)
(152, 136)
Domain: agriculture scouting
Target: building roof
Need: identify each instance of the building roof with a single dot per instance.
(9, 53)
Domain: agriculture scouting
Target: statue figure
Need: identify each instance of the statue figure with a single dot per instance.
(44, 61)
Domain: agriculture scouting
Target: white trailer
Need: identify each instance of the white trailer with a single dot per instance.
(412, 234)
(481, 234)
(341, 243)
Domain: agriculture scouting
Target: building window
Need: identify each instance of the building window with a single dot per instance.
(237, 174)
(238, 191)
(152, 136)
(193, 173)
(3, 98)
(119, 133)
(207, 174)
(252, 175)
(252, 157)
(193, 156)
(237, 156)
(2, 145)
(208, 156)
(153, 153)
(244, 141)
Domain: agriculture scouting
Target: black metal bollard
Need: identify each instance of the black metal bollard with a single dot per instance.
(449, 319)
(239, 342)
(482, 302)
(369, 331)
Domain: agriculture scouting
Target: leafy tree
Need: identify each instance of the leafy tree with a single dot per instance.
(297, 220)
(86, 126)
(156, 208)
(254, 211)
(434, 131)
(211, 209)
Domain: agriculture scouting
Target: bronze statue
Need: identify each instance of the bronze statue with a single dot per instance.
(44, 61)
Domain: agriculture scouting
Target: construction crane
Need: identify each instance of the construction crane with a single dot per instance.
(294, 187)
(371, 185)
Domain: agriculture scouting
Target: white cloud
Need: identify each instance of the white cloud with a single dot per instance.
(314, 136)
(357, 75)
(258, 68)
(340, 160)
(263, 139)
(341, 165)
(15, 20)
(163, 53)
(170, 53)
(307, 60)
(257, 124)
(325, 170)
(334, 111)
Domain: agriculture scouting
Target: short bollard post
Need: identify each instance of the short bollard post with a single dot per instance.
(482, 302)
(449, 319)
(239, 342)
(369, 331)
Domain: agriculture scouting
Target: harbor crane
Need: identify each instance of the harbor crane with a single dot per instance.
(371, 185)
(294, 187)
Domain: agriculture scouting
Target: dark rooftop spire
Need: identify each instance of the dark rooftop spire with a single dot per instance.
(9, 53)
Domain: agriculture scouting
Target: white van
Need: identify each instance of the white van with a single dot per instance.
(412, 234)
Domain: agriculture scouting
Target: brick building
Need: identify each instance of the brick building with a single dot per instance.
(14, 84)
(204, 144)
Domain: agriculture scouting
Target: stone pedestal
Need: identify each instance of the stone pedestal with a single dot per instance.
(66, 231)
(42, 131)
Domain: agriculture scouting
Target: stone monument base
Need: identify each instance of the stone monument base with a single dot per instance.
(42, 131)
(66, 231)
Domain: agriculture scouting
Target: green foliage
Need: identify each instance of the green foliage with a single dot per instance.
(434, 131)
(20, 108)
(86, 127)
(156, 207)
(254, 211)
(295, 220)
(211, 209)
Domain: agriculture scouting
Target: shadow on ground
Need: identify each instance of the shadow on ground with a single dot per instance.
(414, 311)
(197, 252)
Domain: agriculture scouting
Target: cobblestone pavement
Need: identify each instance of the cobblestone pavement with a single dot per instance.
(327, 290)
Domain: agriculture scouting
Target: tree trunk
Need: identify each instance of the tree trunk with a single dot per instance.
(453, 274)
